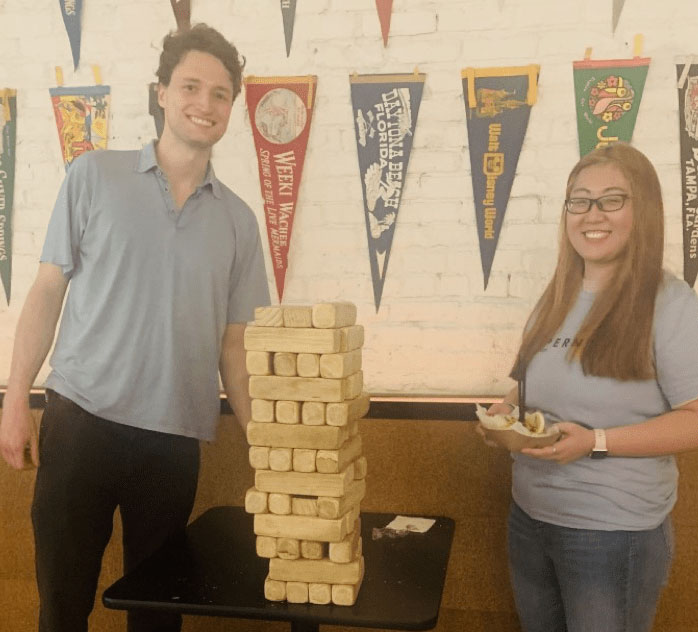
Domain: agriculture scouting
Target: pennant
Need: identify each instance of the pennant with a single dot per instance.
(607, 95)
(72, 14)
(688, 132)
(288, 13)
(385, 9)
(498, 104)
(8, 139)
(82, 116)
(617, 9)
(385, 109)
(280, 110)
(182, 13)
(155, 109)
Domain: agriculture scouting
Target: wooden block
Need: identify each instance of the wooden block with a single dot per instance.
(320, 593)
(297, 315)
(312, 550)
(279, 504)
(266, 546)
(360, 468)
(294, 340)
(350, 338)
(300, 527)
(302, 484)
(331, 461)
(288, 412)
(258, 363)
(313, 413)
(259, 457)
(315, 389)
(337, 314)
(297, 592)
(339, 413)
(351, 517)
(289, 548)
(315, 571)
(308, 364)
(304, 460)
(281, 459)
(263, 410)
(274, 590)
(346, 550)
(304, 505)
(334, 507)
(297, 436)
(284, 364)
(353, 427)
(346, 594)
(270, 316)
(337, 365)
(353, 385)
(256, 501)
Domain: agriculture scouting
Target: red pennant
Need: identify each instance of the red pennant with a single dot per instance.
(384, 8)
(280, 110)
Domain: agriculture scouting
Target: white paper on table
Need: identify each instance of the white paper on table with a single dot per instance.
(410, 523)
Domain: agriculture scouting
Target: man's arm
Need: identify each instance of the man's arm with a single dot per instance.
(35, 332)
(234, 375)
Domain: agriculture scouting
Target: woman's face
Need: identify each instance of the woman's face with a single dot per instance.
(600, 237)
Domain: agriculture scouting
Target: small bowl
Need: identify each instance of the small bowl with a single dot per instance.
(515, 441)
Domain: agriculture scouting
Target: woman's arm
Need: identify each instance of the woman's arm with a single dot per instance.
(670, 433)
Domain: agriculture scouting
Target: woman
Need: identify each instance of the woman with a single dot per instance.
(610, 353)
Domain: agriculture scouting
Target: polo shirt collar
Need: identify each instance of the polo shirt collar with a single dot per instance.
(147, 160)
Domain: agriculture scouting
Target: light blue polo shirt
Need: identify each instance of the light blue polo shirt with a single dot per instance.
(151, 291)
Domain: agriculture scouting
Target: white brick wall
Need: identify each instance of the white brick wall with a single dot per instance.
(437, 331)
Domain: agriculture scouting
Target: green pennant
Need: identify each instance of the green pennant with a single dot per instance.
(8, 138)
(607, 95)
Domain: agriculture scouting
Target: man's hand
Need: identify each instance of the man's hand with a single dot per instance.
(17, 431)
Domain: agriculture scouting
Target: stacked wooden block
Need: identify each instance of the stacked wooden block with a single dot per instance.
(306, 386)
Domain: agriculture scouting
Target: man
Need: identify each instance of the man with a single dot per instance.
(165, 266)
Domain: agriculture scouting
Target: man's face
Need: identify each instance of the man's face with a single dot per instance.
(198, 101)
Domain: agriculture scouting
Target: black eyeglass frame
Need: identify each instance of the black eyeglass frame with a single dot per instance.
(591, 201)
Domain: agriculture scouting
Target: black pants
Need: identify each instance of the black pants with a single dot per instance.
(89, 466)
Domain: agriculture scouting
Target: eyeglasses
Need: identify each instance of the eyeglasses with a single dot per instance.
(606, 203)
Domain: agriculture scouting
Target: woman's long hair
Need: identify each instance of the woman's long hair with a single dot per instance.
(615, 339)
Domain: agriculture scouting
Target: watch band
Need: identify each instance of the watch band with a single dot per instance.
(600, 450)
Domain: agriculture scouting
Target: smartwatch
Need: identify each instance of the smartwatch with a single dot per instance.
(599, 451)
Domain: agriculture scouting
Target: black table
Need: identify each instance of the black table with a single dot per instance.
(213, 570)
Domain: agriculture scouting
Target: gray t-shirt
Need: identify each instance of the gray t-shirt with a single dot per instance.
(151, 291)
(616, 493)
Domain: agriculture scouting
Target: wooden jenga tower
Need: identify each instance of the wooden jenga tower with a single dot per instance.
(306, 388)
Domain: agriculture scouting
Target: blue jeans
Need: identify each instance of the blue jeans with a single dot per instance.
(580, 580)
